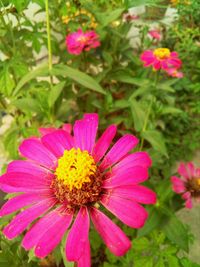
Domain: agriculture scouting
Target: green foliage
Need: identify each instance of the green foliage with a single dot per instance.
(163, 112)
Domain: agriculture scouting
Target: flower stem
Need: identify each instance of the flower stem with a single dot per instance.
(149, 111)
(49, 39)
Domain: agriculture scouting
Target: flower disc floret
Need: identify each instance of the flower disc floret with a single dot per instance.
(162, 53)
(75, 168)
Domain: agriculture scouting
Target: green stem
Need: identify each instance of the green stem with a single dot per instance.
(149, 111)
(49, 40)
(3, 102)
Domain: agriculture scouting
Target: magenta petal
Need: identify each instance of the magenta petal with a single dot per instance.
(104, 142)
(128, 211)
(137, 193)
(119, 150)
(57, 142)
(33, 149)
(67, 127)
(28, 167)
(136, 159)
(130, 176)
(85, 259)
(182, 170)
(38, 229)
(23, 219)
(19, 202)
(191, 169)
(112, 235)
(178, 185)
(51, 238)
(44, 131)
(85, 132)
(78, 235)
(24, 182)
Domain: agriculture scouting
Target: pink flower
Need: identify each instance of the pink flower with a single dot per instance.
(70, 176)
(155, 34)
(77, 42)
(161, 58)
(174, 73)
(129, 17)
(188, 185)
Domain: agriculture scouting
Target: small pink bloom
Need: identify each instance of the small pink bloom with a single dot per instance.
(77, 42)
(188, 185)
(129, 17)
(63, 179)
(155, 34)
(174, 73)
(161, 58)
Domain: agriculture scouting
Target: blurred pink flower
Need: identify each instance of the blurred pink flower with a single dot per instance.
(128, 17)
(188, 185)
(64, 180)
(174, 73)
(77, 42)
(161, 58)
(155, 34)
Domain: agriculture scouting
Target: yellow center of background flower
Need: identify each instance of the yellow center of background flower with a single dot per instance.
(162, 53)
(198, 181)
(75, 168)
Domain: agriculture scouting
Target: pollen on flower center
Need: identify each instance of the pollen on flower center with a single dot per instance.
(75, 168)
(193, 186)
(161, 53)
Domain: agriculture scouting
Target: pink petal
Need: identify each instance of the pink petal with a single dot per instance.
(131, 176)
(33, 149)
(137, 193)
(136, 159)
(177, 185)
(188, 203)
(85, 132)
(191, 169)
(23, 219)
(67, 127)
(19, 202)
(197, 172)
(29, 167)
(51, 238)
(57, 142)
(119, 150)
(33, 236)
(24, 182)
(112, 235)
(182, 170)
(78, 235)
(85, 259)
(128, 211)
(44, 131)
(104, 142)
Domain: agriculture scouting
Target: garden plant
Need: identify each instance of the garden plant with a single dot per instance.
(100, 128)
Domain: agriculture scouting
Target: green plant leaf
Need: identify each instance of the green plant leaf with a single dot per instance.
(176, 232)
(6, 82)
(55, 93)
(156, 139)
(78, 76)
(138, 114)
(40, 71)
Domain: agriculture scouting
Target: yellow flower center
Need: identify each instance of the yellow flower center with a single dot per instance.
(82, 39)
(162, 53)
(75, 168)
(198, 181)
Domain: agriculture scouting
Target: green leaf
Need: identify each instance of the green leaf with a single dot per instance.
(160, 263)
(40, 71)
(153, 221)
(55, 93)
(126, 77)
(138, 114)
(6, 82)
(78, 76)
(156, 139)
(28, 105)
(144, 262)
(171, 110)
(176, 232)
(107, 17)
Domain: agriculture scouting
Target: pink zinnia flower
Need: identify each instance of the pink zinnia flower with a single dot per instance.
(66, 177)
(188, 185)
(161, 58)
(174, 73)
(77, 42)
(155, 34)
(128, 17)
